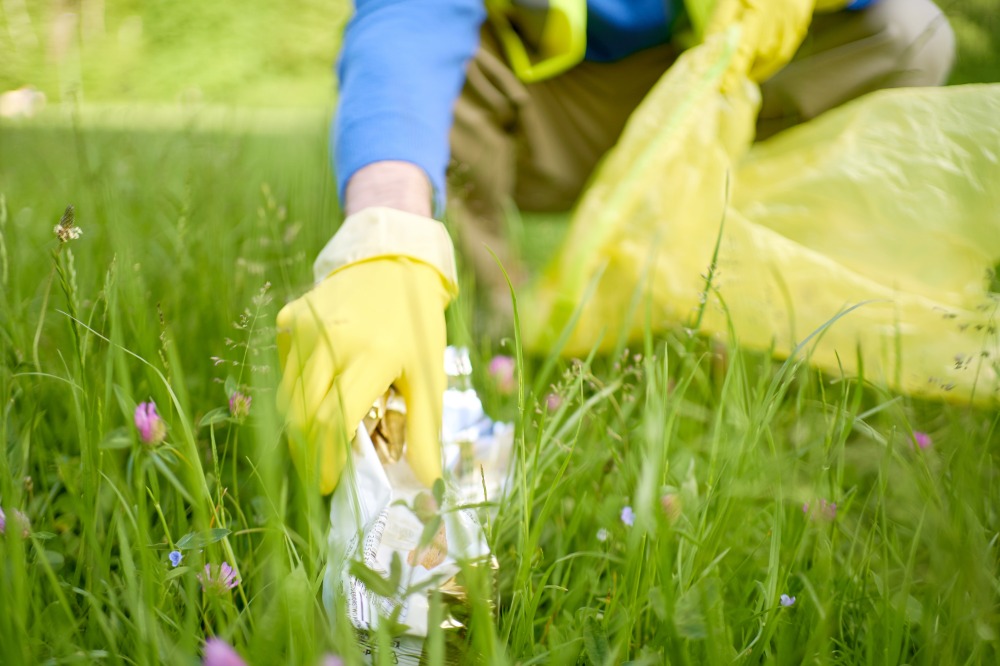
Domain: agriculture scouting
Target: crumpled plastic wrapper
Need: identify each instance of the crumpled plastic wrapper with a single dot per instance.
(384, 520)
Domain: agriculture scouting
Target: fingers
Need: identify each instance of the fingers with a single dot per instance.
(325, 406)
(284, 323)
(296, 339)
(289, 379)
(360, 384)
(423, 442)
(351, 396)
(297, 326)
(317, 382)
(423, 389)
(328, 443)
(305, 383)
(342, 349)
(307, 358)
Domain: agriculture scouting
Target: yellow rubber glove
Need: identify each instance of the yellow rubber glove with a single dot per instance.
(372, 323)
(772, 31)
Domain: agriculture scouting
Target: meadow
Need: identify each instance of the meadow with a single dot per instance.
(685, 502)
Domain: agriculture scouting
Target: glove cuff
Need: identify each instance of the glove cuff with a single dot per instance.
(379, 232)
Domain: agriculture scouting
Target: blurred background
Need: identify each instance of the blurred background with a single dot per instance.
(248, 53)
(254, 52)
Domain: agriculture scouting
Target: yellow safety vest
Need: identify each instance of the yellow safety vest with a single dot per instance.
(542, 38)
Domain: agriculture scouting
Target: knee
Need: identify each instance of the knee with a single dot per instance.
(919, 39)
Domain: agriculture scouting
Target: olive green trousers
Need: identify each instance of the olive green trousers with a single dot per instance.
(533, 147)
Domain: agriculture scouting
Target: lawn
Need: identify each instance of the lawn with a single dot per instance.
(683, 502)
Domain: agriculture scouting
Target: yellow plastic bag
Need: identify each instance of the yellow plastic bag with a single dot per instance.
(890, 203)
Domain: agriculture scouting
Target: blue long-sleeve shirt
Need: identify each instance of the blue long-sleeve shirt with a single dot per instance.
(403, 65)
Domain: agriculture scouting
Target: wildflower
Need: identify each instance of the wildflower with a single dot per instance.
(602, 535)
(66, 234)
(66, 230)
(921, 439)
(18, 519)
(671, 505)
(239, 405)
(152, 430)
(824, 510)
(220, 653)
(787, 601)
(175, 558)
(331, 660)
(828, 510)
(553, 401)
(628, 516)
(501, 368)
(218, 579)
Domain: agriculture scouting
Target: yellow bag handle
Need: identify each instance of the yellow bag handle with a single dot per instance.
(700, 12)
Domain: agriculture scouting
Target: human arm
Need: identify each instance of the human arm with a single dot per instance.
(376, 320)
(401, 69)
(391, 183)
(376, 315)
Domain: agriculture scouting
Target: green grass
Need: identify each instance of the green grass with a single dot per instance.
(193, 238)
(198, 227)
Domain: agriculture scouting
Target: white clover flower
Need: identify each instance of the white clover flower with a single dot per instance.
(66, 234)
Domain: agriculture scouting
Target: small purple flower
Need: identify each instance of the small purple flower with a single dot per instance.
(151, 427)
(18, 519)
(220, 653)
(828, 510)
(823, 511)
(922, 439)
(787, 601)
(331, 660)
(602, 535)
(502, 368)
(175, 558)
(218, 579)
(671, 505)
(628, 516)
(239, 405)
(553, 401)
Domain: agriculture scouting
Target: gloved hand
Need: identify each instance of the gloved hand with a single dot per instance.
(377, 320)
(772, 31)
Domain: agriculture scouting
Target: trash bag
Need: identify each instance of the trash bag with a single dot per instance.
(865, 239)
(394, 543)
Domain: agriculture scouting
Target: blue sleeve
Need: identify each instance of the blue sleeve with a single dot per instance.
(401, 69)
(856, 5)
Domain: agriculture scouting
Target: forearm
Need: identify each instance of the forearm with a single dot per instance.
(390, 183)
(401, 69)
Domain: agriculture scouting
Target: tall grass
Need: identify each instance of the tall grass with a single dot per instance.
(729, 463)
